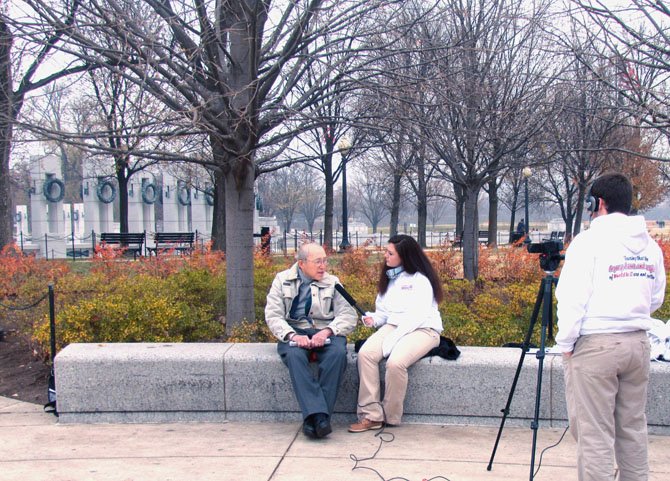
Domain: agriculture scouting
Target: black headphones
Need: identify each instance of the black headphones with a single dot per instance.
(592, 203)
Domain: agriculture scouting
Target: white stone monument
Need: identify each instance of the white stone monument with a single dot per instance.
(142, 195)
(99, 193)
(202, 210)
(176, 205)
(73, 218)
(46, 206)
(21, 224)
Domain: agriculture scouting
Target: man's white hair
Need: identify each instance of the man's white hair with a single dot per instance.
(303, 250)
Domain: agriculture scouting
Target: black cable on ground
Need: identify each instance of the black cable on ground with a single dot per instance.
(539, 463)
(384, 437)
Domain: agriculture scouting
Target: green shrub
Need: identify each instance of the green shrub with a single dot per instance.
(251, 331)
(137, 309)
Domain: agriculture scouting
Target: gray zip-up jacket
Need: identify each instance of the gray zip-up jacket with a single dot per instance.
(329, 309)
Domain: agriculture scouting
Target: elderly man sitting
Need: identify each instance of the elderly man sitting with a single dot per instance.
(311, 319)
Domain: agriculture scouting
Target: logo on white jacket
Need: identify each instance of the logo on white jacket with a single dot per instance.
(633, 266)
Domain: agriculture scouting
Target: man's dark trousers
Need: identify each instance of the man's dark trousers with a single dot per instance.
(315, 395)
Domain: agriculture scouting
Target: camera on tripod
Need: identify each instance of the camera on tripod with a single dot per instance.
(550, 253)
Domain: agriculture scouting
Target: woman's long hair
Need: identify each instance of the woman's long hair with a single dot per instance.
(414, 260)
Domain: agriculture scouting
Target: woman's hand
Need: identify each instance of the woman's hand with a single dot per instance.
(368, 321)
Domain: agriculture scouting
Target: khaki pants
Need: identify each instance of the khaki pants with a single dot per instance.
(606, 391)
(406, 352)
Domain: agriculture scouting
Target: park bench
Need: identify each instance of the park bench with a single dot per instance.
(555, 236)
(77, 252)
(128, 241)
(482, 238)
(173, 241)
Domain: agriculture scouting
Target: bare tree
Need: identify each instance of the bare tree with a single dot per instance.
(633, 38)
(394, 158)
(439, 198)
(230, 68)
(312, 204)
(489, 98)
(650, 184)
(508, 194)
(371, 194)
(20, 74)
(397, 100)
(582, 138)
(286, 190)
(50, 111)
(128, 117)
(330, 120)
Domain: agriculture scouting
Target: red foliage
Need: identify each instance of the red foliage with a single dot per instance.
(111, 262)
(357, 261)
(447, 261)
(664, 244)
(16, 269)
(508, 264)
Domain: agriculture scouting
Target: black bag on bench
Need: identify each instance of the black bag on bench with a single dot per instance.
(446, 349)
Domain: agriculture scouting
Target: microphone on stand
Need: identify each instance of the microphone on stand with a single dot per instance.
(347, 297)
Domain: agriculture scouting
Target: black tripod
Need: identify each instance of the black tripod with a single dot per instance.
(544, 300)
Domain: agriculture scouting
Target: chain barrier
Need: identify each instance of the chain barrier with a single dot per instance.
(50, 406)
(24, 308)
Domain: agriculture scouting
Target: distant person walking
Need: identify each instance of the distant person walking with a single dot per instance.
(521, 227)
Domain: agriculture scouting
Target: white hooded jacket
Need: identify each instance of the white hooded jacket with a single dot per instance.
(409, 304)
(612, 280)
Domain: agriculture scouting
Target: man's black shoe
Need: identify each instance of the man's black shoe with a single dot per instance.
(322, 425)
(308, 427)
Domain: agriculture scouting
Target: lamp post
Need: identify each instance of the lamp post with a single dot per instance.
(344, 146)
(526, 172)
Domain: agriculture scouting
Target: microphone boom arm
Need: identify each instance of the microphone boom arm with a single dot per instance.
(347, 297)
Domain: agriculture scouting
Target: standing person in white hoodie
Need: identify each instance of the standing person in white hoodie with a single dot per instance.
(409, 323)
(612, 280)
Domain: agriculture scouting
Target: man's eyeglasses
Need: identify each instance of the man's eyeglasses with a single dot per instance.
(319, 262)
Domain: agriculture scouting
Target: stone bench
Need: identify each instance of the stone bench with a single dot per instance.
(212, 382)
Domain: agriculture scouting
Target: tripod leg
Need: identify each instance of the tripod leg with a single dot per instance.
(547, 319)
(524, 349)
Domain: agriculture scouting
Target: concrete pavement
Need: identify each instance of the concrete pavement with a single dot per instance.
(34, 447)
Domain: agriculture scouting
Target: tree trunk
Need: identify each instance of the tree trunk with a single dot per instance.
(460, 196)
(581, 197)
(493, 213)
(239, 191)
(512, 220)
(422, 203)
(470, 228)
(6, 130)
(122, 180)
(219, 208)
(219, 212)
(422, 214)
(395, 205)
(568, 229)
(328, 207)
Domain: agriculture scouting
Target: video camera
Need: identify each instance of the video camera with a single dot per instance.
(550, 253)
